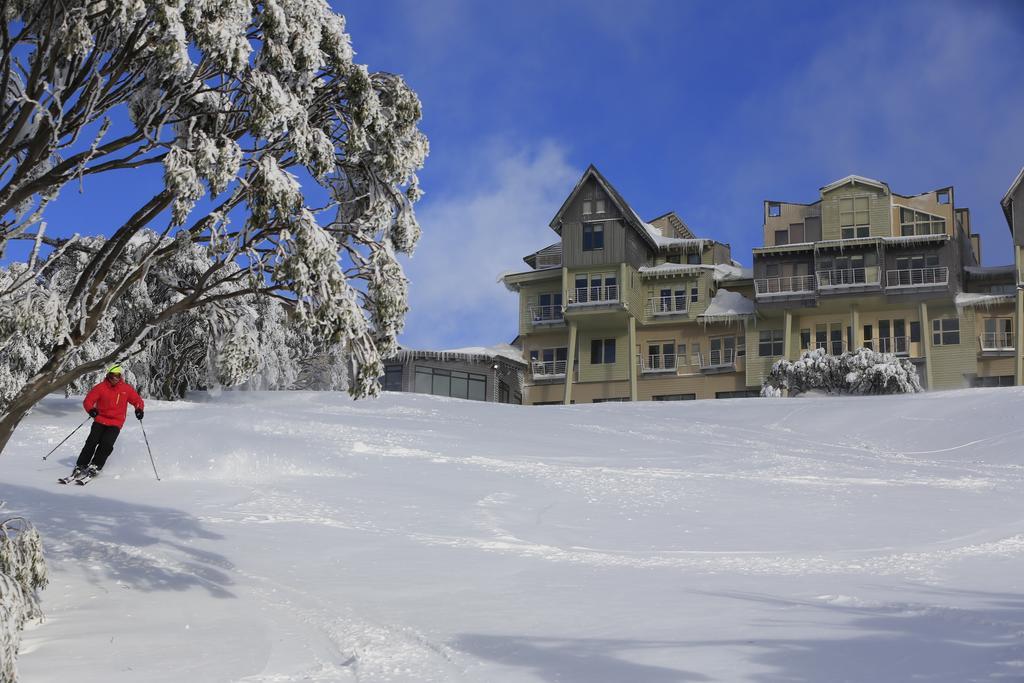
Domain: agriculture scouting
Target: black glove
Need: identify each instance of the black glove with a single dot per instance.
(139, 413)
(93, 412)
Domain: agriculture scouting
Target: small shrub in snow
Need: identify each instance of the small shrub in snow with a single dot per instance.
(858, 372)
(22, 573)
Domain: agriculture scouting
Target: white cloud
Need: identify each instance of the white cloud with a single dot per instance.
(474, 232)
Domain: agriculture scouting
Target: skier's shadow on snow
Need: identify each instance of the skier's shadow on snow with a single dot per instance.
(120, 538)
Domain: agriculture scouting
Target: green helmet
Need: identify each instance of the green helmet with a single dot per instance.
(115, 370)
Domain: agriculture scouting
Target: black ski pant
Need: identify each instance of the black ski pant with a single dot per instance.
(98, 446)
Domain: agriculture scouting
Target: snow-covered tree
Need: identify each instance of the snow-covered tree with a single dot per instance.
(858, 372)
(288, 164)
(22, 574)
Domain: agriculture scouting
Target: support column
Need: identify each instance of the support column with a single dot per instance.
(926, 344)
(855, 337)
(570, 362)
(1018, 257)
(632, 358)
(787, 337)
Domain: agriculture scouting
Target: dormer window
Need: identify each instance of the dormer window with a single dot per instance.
(854, 217)
(920, 223)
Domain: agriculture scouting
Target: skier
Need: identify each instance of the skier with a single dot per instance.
(107, 403)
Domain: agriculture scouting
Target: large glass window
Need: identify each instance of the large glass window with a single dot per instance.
(393, 378)
(602, 351)
(771, 343)
(454, 383)
(593, 236)
(920, 223)
(693, 259)
(854, 217)
(945, 331)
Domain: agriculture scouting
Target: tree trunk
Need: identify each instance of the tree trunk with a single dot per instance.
(19, 407)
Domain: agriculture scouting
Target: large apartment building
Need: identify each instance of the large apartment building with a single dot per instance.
(625, 309)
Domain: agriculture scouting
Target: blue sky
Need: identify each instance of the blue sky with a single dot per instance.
(705, 108)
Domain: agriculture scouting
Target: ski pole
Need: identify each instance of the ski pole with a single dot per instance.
(149, 450)
(66, 438)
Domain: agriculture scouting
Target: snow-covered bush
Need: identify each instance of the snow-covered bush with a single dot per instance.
(22, 573)
(246, 107)
(858, 372)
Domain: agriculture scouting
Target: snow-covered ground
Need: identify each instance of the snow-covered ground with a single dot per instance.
(306, 537)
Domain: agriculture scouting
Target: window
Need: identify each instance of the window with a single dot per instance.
(504, 394)
(868, 336)
(774, 209)
(945, 331)
(943, 197)
(602, 351)
(741, 347)
(593, 236)
(611, 400)
(781, 237)
(675, 397)
(915, 331)
(693, 259)
(694, 293)
(854, 217)
(673, 258)
(771, 343)
(796, 233)
(452, 383)
(599, 206)
(747, 393)
(771, 270)
(393, 378)
(805, 339)
(996, 381)
(550, 361)
(588, 207)
(920, 223)
(596, 287)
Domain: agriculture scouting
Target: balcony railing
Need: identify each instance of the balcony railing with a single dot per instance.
(785, 285)
(997, 341)
(833, 347)
(546, 315)
(548, 369)
(848, 277)
(666, 305)
(898, 345)
(665, 362)
(717, 358)
(592, 295)
(917, 277)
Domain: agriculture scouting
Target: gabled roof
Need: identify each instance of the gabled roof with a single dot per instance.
(1008, 198)
(628, 214)
(880, 184)
(680, 226)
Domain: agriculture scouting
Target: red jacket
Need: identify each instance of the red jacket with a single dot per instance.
(112, 402)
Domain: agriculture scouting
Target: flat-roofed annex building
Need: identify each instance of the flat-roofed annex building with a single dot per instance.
(491, 373)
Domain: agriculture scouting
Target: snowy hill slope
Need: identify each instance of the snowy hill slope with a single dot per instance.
(303, 536)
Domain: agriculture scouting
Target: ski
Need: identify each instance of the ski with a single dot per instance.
(85, 478)
(70, 478)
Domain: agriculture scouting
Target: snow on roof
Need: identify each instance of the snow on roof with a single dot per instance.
(971, 299)
(913, 239)
(721, 272)
(727, 306)
(981, 271)
(471, 353)
(855, 179)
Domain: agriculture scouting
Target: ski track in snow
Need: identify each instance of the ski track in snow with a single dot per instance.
(769, 491)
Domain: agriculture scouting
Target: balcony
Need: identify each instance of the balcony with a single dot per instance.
(658, 306)
(608, 294)
(663, 364)
(717, 360)
(546, 315)
(848, 278)
(548, 369)
(997, 343)
(834, 347)
(785, 286)
(917, 277)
